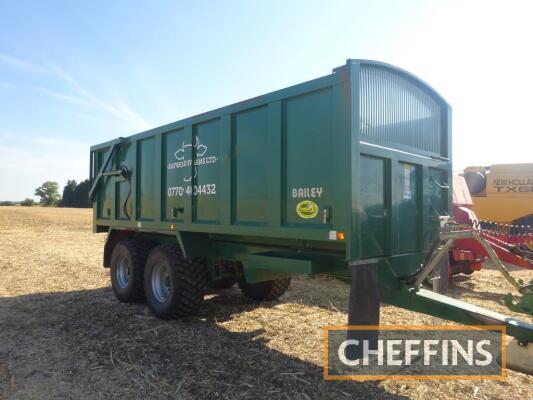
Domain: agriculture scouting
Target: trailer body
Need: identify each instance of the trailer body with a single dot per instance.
(348, 175)
(352, 167)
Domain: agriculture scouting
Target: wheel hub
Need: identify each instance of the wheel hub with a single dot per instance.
(161, 283)
(123, 273)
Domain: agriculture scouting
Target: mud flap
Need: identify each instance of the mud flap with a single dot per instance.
(364, 308)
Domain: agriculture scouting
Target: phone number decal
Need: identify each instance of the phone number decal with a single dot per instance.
(196, 190)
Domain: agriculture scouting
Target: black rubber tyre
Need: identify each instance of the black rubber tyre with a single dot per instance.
(127, 269)
(265, 291)
(184, 282)
(224, 283)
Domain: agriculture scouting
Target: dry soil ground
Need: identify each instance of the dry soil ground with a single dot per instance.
(63, 335)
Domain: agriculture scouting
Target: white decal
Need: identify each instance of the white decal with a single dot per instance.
(196, 190)
(201, 158)
(302, 193)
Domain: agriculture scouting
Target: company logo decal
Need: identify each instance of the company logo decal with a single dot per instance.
(513, 185)
(185, 160)
(307, 209)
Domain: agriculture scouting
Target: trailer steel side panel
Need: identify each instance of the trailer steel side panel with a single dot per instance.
(353, 164)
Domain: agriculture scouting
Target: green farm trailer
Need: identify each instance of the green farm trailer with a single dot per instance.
(346, 175)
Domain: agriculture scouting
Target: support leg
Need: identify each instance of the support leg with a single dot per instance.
(364, 307)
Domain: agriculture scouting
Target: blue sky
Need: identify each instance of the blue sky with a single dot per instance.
(73, 74)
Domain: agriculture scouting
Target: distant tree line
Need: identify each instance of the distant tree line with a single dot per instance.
(74, 195)
(26, 202)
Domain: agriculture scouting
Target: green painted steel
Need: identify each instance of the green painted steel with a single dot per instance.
(348, 169)
(332, 166)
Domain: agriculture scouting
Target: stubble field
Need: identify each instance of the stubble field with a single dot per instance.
(64, 336)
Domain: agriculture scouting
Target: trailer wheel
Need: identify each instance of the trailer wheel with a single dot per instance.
(265, 291)
(127, 269)
(174, 285)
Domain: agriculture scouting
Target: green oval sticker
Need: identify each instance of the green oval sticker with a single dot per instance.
(307, 209)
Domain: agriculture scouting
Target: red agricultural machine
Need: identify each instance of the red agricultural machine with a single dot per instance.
(512, 244)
